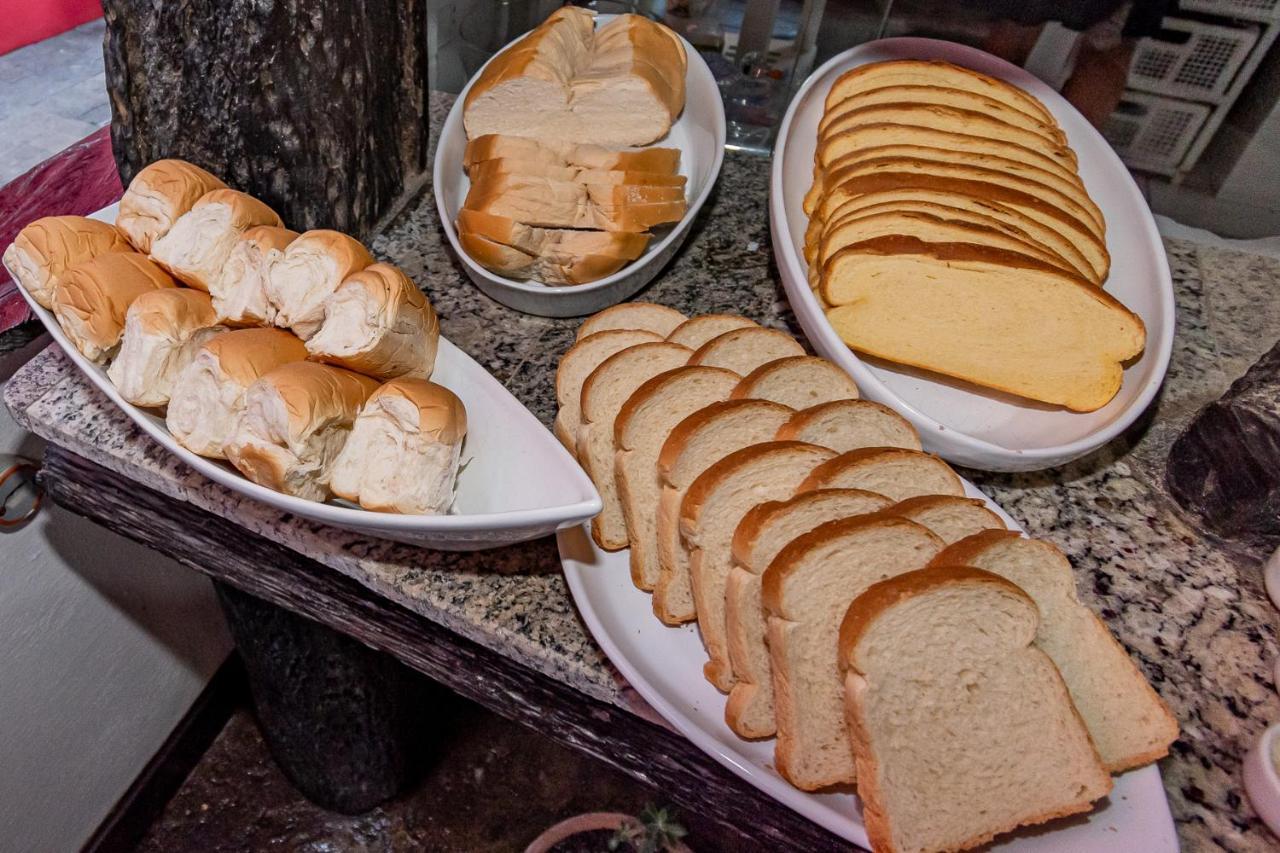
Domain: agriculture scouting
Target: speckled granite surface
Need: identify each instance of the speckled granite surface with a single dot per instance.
(1191, 610)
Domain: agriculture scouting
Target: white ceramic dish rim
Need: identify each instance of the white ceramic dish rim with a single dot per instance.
(800, 801)
(1055, 454)
(453, 124)
(328, 513)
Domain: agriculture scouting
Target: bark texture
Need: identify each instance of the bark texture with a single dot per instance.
(318, 108)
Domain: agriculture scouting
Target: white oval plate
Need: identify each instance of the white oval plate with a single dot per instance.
(962, 425)
(493, 507)
(699, 133)
(664, 665)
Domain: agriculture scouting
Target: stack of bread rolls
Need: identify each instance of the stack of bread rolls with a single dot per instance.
(554, 196)
(949, 231)
(265, 347)
(759, 496)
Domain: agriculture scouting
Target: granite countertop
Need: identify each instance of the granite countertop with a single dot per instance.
(1191, 610)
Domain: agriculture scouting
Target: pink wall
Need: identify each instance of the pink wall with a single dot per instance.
(27, 21)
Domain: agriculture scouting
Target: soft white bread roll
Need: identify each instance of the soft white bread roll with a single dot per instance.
(196, 248)
(92, 299)
(162, 331)
(403, 452)
(209, 395)
(295, 421)
(496, 146)
(47, 247)
(960, 724)
(157, 196)
(309, 272)
(240, 293)
(380, 324)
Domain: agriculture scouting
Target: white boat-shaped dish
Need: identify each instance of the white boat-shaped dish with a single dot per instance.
(699, 133)
(964, 425)
(664, 665)
(517, 482)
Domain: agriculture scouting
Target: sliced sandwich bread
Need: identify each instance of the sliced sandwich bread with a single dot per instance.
(696, 331)
(845, 425)
(576, 365)
(950, 517)
(798, 381)
(962, 728)
(894, 472)
(658, 319)
(761, 534)
(743, 350)
(806, 591)
(502, 147)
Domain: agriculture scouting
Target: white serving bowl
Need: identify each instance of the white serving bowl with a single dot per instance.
(968, 427)
(699, 133)
(1261, 781)
(516, 482)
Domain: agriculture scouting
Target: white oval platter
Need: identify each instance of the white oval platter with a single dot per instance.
(963, 425)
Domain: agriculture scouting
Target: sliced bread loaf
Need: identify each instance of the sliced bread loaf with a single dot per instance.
(806, 591)
(962, 729)
(894, 472)
(696, 331)
(576, 365)
(845, 425)
(1045, 335)
(497, 146)
(658, 319)
(1129, 723)
(799, 381)
(640, 431)
(950, 517)
(551, 241)
(761, 534)
(491, 169)
(697, 443)
(743, 350)
(603, 394)
(712, 508)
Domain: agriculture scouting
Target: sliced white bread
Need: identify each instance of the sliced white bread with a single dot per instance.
(567, 257)
(761, 534)
(1045, 335)
(648, 316)
(951, 518)
(551, 241)
(799, 381)
(603, 394)
(1129, 723)
(743, 350)
(640, 431)
(806, 591)
(697, 443)
(712, 508)
(565, 204)
(696, 331)
(962, 728)
(576, 365)
(489, 169)
(894, 472)
(845, 425)
(497, 146)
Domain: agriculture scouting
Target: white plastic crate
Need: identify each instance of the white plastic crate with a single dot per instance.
(1153, 133)
(1263, 11)
(1199, 66)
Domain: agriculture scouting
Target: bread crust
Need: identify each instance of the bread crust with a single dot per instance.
(174, 186)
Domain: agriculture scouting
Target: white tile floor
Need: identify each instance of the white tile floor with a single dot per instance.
(52, 93)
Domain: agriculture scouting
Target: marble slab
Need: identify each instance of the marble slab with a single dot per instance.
(1191, 610)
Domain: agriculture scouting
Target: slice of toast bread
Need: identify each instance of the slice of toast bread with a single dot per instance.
(574, 368)
(798, 381)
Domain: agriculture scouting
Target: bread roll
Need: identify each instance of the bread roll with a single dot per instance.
(157, 196)
(197, 246)
(295, 420)
(380, 324)
(45, 248)
(309, 272)
(92, 298)
(403, 452)
(240, 293)
(209, 395)
(162, 331)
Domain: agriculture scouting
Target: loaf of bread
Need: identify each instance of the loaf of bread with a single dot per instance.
(240, 292)
(208, 396)
(46, 248)
(157, 196)
(380, 324)
(565, 82)
(92, 298)
(163, 329)
(403, 452)
(962, 728)
(312, 267)
(195, 249)
(294, 423)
